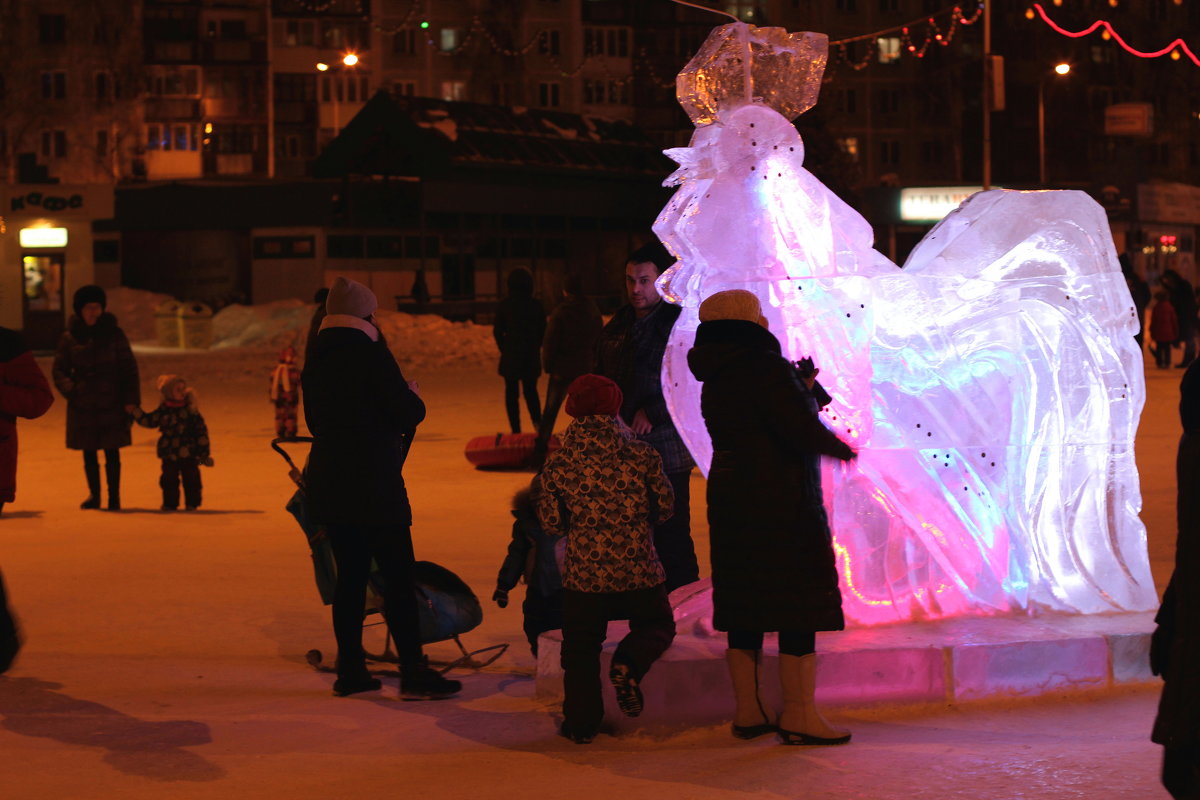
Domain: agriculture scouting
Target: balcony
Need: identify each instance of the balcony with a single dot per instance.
(173, 109)
(226, 51)
(166, 52)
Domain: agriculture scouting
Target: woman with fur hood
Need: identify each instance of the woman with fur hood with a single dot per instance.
(94, 369)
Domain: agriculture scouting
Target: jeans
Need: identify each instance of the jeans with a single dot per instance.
(585, 618)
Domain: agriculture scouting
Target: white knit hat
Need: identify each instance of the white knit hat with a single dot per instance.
(350, 297)
(732, 304)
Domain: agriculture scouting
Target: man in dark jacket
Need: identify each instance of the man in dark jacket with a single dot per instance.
(362, 415)
(1183, 297)
(568, 351)
(630, 352)
(1175, 646)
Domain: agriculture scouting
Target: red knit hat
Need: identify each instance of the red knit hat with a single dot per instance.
(593, 394)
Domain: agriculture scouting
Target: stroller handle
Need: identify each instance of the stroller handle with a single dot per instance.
(293, 472)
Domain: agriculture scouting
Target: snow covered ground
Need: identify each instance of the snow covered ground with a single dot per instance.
(165, 652)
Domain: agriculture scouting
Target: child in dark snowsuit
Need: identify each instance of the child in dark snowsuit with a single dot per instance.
(533, 555)
(183, 445)
(285, 393)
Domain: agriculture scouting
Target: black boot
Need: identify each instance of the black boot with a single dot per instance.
(92, 471)
(418, 681)
(112, 474)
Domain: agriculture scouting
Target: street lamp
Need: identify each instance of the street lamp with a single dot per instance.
(349, 61)
(1059, 69)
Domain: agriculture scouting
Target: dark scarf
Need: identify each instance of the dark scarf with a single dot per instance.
(104, 329)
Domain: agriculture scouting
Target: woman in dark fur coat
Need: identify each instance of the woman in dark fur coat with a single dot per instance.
(1175, 646)
(772, 552)
(95, 371)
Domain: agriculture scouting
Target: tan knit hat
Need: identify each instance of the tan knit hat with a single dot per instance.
(732, 304)
(350, 297)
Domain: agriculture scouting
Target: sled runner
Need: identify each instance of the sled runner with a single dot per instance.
(447, 608)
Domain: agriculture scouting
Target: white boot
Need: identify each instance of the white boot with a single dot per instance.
(750, 718)
(801, 722)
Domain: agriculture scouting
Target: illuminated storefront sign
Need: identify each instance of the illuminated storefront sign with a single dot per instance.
(930, 204)
(43, 237)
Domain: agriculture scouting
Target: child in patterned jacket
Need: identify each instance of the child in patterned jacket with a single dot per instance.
(183, 445)
(605, 490)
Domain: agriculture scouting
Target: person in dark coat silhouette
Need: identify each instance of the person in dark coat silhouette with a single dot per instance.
(518, 330)
(772, 552)
(96, 372)
(1183, 297)
(630, 352)
(24, 392)
(568, 351)
(1175, 645)
(362, 415)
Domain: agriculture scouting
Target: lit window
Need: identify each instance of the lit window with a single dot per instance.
(849, 146)
(889, 49)
(450, 39)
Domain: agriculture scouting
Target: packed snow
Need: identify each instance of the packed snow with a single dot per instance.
(165, 653)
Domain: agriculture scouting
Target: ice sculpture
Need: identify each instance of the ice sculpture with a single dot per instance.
(992, 386)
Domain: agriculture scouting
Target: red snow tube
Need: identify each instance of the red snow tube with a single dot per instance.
(504, 450)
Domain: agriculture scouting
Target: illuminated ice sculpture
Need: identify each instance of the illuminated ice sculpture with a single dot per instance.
(992, 386)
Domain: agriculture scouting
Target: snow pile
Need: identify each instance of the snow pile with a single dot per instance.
(420, 340)
(135, 310)
(276, 324)
(427, 340)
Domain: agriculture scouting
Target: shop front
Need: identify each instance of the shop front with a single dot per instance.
(46, 253)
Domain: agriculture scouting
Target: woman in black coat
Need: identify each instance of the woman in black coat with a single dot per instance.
(519, 327)
(1175, 646)
(96, 372)
(362, 415)
(772, 552)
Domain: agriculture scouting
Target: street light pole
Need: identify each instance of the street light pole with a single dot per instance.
(1059, 69)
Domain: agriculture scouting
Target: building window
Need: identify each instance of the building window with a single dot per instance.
(849, 146)
(404, 42)
(52, 28)
(101, 144)
(454, 90)
(176, 82)
(501, 94)
(284, 246)
(54, 144)
(889, 152)
(549, 43)
(888, 101)
(385, 246)
(404, 88)
(845, 101)
(889, 6)
(606, 42)
(847, 6)
(596, 92)
(54, 85)
(548, 95)
(931, 152)
(106, 251)
(103, 87)
(293, 88)
(299, 33)
(888, 48)
(344, 246)
(450, 39)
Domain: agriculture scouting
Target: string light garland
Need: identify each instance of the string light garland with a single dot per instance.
(1173, 48)
(935, 33)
